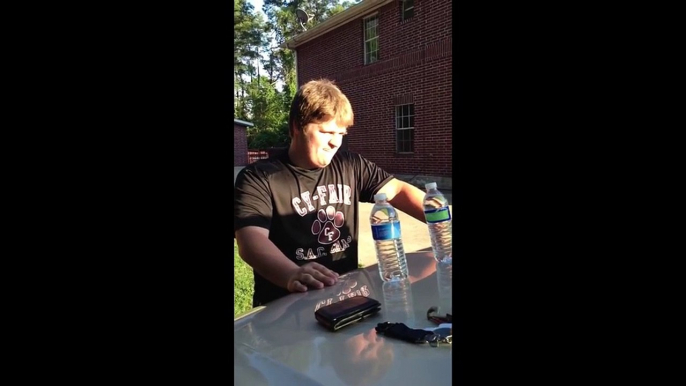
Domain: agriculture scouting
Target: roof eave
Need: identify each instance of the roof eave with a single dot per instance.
(335, 21)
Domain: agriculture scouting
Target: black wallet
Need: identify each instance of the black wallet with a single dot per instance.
(345, 312)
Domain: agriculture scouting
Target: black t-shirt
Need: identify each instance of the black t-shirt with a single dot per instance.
(312, 215)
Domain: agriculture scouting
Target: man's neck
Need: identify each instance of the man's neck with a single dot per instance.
(298, 159)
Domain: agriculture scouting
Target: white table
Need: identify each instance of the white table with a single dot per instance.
(282, 343)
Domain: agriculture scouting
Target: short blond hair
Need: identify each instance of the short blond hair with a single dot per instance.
(319, 101)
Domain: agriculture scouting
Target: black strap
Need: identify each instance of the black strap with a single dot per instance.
(401, 331)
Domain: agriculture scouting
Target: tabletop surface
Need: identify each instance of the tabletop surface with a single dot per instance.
(283, 344)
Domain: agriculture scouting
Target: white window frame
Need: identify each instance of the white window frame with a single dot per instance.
(367, 58)
(399, 126)
(403, 10)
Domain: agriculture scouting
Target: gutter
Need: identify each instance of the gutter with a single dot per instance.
(295, 62)
(244, 123)
(335, 21)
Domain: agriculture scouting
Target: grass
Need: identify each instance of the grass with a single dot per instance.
(243, 284)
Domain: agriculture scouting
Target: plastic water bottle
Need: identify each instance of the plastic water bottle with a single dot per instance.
(390, 253)
(397, 302)
(444, 276)
(439, 222)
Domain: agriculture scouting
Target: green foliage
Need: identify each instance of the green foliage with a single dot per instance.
(248, 38)
(244, 284)
(264, 72)
(269, 116)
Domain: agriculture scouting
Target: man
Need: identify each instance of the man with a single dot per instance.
(296, 213)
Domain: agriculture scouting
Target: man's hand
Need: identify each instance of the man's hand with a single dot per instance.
(405, 197)
(265, 258)
(311, 274)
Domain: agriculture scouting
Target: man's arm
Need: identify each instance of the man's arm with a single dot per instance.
(405, 197)
(266, 259)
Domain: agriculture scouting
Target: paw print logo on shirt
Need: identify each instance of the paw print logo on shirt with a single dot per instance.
(326, 225)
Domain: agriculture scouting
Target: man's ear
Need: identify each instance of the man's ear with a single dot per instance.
(295, 130)
(292, 129)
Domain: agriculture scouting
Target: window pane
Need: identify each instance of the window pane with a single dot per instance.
(405, 141)
(410, 140)
(370, 26)
(406, 122)
(411, 109)
(411, 120)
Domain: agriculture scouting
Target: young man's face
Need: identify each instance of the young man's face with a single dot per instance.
(318, 142)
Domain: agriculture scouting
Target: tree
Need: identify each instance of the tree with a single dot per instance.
(257, 43)
(248, 39)
(283, 25)
(269, 117)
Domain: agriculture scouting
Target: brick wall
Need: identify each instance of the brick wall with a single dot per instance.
(415, 66)
(240, 145)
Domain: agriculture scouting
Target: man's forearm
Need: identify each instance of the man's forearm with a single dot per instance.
(408, 199)
(267, 260)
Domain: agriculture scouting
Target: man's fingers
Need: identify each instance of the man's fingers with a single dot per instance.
(310, 280)
(312, 275)
(321, 272)
(297, 286)
(323, 277)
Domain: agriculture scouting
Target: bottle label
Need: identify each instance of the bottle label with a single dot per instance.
(388, 231)
(437, 215)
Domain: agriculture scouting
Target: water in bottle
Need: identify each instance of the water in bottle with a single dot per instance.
(439, 222)
(397, 301)
(390, 253)
(444, 276)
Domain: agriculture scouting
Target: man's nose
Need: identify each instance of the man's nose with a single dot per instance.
(336, 141)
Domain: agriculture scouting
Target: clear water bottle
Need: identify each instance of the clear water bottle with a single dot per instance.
(390, 253)
(397, 301)
(439, 222)
(444, 275)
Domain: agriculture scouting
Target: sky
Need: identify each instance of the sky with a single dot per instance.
(258, 5)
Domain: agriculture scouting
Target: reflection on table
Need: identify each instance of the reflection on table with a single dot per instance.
(282, 344)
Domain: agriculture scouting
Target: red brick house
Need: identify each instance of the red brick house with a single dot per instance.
(240, 142)
(393, 59)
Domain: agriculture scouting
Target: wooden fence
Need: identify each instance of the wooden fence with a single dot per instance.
(254, 155)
